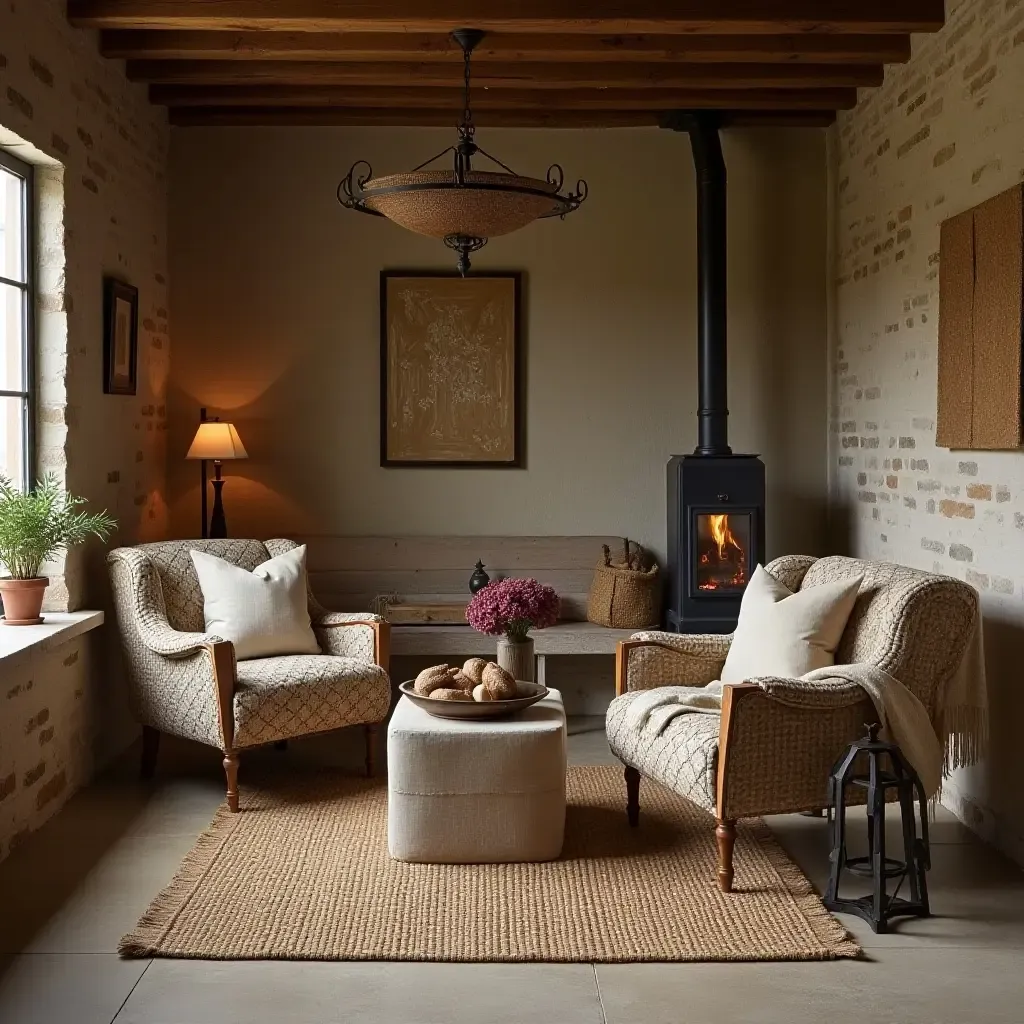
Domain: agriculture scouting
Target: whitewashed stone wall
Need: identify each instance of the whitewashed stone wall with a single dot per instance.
(49, 708)
(944, 133)
(103, 156)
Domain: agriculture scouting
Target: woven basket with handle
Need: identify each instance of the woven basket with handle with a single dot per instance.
(624, 594)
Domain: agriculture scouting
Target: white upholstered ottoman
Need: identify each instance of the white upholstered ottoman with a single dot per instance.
(477, 792)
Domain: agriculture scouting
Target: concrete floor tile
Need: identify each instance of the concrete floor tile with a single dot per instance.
(61, 989)
(81, 881)
(897, 986)
(587, 742)
(976, 894)
(202, 992)
(90, 911)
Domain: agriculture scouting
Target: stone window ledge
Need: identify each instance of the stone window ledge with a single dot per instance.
(56, 629)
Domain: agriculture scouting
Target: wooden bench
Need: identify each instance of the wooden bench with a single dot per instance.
(348, 573)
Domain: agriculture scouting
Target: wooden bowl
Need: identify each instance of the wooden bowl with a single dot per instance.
(472, 710)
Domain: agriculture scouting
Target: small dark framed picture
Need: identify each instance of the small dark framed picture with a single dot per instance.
(120, 337)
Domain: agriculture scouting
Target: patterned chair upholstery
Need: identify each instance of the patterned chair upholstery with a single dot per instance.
(771, 750)
(186, 682)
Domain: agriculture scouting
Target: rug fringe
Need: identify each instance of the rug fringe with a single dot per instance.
(838, 942)
(145, 940)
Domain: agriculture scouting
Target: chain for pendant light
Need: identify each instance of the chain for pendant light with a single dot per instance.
(467, 127)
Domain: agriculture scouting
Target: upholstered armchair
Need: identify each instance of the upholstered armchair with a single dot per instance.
(186, 682)
(771, 750)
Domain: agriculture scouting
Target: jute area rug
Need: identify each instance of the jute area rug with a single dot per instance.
(303, 872)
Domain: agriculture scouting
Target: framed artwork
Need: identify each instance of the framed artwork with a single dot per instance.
(450, 373)
(120, 337)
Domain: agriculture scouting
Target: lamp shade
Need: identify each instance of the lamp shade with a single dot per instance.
(216, 440)
(432, 203)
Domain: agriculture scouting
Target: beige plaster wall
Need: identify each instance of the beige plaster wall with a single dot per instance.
(275, 293)
(102, 152)
(944, 133)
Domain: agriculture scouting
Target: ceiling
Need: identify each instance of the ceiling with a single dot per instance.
(547, 63)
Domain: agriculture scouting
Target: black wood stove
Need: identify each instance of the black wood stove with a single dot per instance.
(715, 498)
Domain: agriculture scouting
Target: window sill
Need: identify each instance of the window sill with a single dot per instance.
(56, 629)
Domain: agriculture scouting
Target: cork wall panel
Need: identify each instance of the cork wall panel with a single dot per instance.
(998, 289)
(981, 302)
(956, 332)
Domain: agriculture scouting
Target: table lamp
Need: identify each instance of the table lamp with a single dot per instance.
(217, 441)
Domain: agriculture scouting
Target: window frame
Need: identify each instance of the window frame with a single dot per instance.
(26, 172)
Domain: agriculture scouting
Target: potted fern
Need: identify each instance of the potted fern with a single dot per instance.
(34, 526)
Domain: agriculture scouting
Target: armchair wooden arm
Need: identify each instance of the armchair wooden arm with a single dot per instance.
(692, 660)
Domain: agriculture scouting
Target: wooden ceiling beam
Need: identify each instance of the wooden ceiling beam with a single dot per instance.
(375, 47)
(302, 116)
(450, 100)
(509, 76)
(555, 16)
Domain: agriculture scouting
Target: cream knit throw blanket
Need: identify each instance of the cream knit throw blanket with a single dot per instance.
(961, 709)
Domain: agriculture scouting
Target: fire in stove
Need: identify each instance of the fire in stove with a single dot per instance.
(722, 560)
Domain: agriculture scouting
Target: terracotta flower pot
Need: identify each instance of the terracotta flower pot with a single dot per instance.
(23, 600)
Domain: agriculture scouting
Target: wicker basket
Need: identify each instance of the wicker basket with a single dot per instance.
(624, 594)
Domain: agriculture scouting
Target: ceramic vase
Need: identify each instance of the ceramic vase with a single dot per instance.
(479, 579)
(516, 658)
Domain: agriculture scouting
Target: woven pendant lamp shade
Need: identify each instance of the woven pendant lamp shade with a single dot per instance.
(445, 210)
(463, 206)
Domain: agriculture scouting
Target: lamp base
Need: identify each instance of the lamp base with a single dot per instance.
(218, 524)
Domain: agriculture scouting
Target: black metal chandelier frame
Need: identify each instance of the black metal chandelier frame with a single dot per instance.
(356, 189)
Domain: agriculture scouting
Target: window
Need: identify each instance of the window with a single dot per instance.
(16, 312)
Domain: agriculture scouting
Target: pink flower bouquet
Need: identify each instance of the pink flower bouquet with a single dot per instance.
(513, 607)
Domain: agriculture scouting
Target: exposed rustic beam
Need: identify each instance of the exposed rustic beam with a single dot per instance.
(509, 76)
(558, 16)
(808, 48)
(302, 116)
(501, 99)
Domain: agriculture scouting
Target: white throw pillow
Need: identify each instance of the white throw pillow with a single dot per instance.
(264, 612)
(780, 633)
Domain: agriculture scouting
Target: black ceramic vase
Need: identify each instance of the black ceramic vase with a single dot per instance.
(479, 579)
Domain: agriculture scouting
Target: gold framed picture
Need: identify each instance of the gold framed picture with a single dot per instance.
(450, 371)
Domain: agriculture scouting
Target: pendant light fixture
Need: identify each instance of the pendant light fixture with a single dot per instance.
(464, 207)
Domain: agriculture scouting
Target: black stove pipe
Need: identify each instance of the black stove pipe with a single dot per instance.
(712, 310)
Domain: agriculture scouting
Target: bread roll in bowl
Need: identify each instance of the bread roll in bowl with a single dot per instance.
(498, 683)
(474, 668)
(432, 678)
(449, 693)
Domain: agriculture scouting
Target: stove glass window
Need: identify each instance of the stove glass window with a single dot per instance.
(723, 552)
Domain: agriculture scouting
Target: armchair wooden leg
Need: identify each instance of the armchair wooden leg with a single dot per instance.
(370, 731)
(150, 748)
(725, 833)
(231, 773)
(632, 795)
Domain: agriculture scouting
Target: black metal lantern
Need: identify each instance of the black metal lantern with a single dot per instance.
(462, 206)
(887, 771)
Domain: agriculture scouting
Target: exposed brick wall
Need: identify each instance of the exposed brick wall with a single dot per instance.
(944, 133)
(102, 151)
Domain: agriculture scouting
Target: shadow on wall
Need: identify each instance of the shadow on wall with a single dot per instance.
(996, 782)
(799, 530)
(839, 536)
